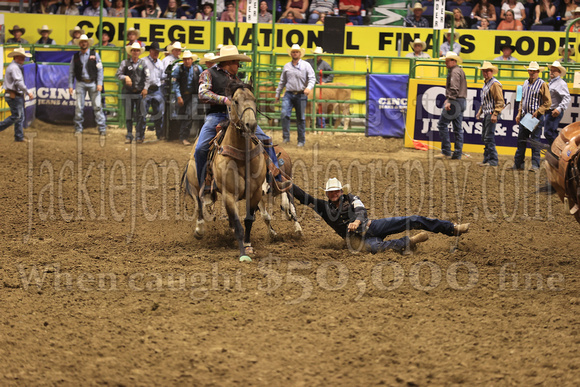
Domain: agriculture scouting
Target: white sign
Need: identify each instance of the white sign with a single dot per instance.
(439, 14)
(252, 11)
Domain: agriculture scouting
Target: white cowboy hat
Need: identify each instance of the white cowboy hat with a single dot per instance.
(84, 37)
(488, 66)
(188, 54)
(19, 52)
(570, 47)
(136, 31)
(455, 35)
(418, 6)
(209, 57)
(76, 29)
(44, 28)
(418, 41)
(333, 184)
(534, 66)
(559, 67)
(175, 46)
(230, 52)
(296, 47)
(318, 50)
(134, 46)
(577, 10)
(452, 55)
(219, 46)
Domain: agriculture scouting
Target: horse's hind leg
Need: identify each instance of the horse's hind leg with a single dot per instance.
(267, 218)
(200, 223)
(287, 205)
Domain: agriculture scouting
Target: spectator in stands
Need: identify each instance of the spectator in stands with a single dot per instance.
(230, 13)
(94, 9)
(105, 39)
(133, 36)
(418, 46)
(137, 8)
(44, 7)
(417, 19)
(484, 24)
(118, 9)
(298, 8)
(68, 7)
(506, 50)
(321, 19)
(576, 26)
(188, 10)
(460, 21)
(75, 33)
(321, 64)
(571, 53)
(264, 16)
(544, 13)
(242, 7)
(318, 7)
(351, 9)
(151, 11)
(289, 19)
(446, 46)
(517, 8)
(45, 35)
(484, 10)
(16, 38)
(174, 11)
(566, 13)
(510, 23)
(206, 12)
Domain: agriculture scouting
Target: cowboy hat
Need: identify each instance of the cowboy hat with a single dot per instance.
(455, 35)
(418, 6)
(559, 67)
(333, 184)
(230, 52)
(452, 55)
(318, 50)
(16, 28)
(136, 31)
(134, 46)
(84, 37)
(418, 41)
(570, 47)
(153, 46)
(506, 45)
(189, 54)
(207, 4)
(296, 47)
(577, 10)
(175, 46)
(76, 29)
(534, 66)
(19, 52)
(44, 28)
(209, 57)
(488, 66)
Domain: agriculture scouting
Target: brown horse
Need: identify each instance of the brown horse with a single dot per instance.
(239, 169)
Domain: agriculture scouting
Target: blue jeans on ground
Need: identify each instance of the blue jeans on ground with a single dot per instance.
(523, 135)
(157, 103)
(208, 132)
(381, 228)
(551, 131)
(298, 102)
(488, 138)
(455, 116)
(81, 92)
(16, 116)
(187, 113)
(134, 109)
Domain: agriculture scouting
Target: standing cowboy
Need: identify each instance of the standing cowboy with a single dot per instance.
(321, 64)
(492, 103)
(17, 33)
(298, 78)
(154, 96)
(560, 96)
(453, 107)
(14, 95)
(45, 35)
(536, 101)
(418, 46)
(185, 83)
(134, 74)
(87, 69)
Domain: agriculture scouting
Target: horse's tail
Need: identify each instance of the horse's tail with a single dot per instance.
(185, 182)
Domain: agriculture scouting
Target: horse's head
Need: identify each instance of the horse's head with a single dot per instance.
(243, 109)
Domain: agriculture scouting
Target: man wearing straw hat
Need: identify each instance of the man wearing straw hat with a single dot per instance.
(321, 64)
(571, 53)
(417, 19)
(75, 34)
(298, 79)
(133, 36)
(212, 89)
(45, 35)
(446, 46)
(536, 101)
(86, 69)
(14, 93)
(560, 96)
(418, 46)
(453, 107)
(174, 51)
(185, 82)
(492, 103)
(134, 75)
(17, 38)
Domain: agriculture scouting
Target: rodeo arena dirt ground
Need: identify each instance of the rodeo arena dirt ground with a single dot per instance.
(103, 283)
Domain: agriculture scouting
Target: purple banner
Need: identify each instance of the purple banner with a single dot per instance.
(386, 105)
(29, 73)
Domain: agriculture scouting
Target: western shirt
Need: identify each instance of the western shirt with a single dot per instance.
(495, 92)
(155, 70)
(446, 47)
(84, 57)
(13, 79)
(544, 102)
(508, 58)
(205, 86)
(324, 66)
(559, 93)
(190, 73)
(412, 22)
(296, 78)
(456, 86)
(421, 55)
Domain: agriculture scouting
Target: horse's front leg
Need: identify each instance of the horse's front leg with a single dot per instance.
(234, 220)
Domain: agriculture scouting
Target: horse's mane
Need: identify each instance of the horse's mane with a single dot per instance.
(233, 86)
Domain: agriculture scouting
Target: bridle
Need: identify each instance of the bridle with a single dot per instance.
(234, 106)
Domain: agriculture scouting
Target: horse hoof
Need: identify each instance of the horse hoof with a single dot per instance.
(245, 258)
(197, 235)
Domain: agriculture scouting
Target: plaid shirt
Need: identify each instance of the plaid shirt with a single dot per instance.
(205, 87)
(410, 21)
